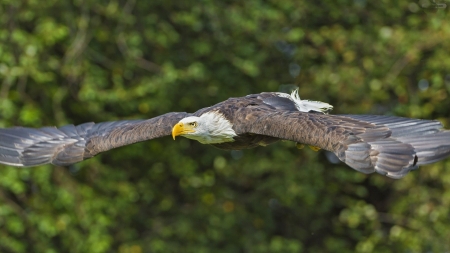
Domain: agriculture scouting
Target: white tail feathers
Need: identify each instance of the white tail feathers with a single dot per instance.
(307, 105)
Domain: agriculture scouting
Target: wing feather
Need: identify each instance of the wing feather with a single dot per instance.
(368, 143)
(21, 146)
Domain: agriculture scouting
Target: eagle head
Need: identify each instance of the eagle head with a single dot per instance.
(209, 128)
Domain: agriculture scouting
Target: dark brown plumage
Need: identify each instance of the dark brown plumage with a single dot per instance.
(368, 143)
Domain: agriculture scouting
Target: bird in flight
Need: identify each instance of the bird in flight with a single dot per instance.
(391, 146)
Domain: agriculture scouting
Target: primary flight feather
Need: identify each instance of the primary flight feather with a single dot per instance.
(388, 145)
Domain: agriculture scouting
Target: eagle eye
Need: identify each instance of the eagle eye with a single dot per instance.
(194, 124)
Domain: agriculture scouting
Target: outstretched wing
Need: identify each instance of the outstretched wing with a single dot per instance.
(388, 145)
(20, 146)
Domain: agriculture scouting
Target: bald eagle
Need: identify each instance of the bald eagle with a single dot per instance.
(391, 146)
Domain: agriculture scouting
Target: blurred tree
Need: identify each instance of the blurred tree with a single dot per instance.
(77, 61)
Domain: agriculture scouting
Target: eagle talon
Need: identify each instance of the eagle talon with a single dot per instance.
(299, 145)
(315, 148)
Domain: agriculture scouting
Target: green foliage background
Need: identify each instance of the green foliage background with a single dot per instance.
(70, 62)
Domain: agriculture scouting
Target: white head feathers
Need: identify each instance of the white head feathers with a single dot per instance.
(211, 127)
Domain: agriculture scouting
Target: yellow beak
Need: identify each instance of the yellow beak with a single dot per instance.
(180, 129)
